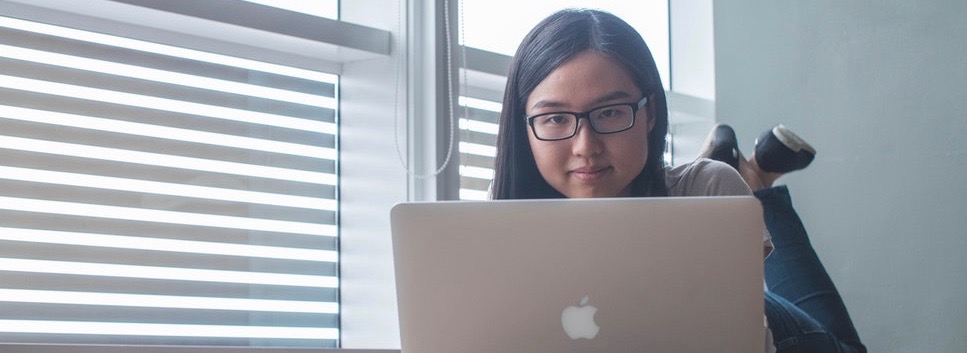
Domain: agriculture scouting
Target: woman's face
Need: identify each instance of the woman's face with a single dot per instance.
(589, 164)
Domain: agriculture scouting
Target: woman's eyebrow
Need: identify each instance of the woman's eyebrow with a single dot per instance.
(543, 103)
(610, 97)
(603, 99)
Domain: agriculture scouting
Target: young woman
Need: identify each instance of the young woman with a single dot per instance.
(585, 115)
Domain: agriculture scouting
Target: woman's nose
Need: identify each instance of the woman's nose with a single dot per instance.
(586, 142)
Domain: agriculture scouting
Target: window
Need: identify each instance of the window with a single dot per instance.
(321, 8)
(111, 156)
(516, 18)
(478, 138)
(152, 194)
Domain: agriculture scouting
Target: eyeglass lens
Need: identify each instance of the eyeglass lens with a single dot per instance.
(603, 120)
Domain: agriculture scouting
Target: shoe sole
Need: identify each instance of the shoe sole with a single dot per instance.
(791, 140)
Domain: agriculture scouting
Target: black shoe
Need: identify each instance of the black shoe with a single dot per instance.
(722, 146)
(779, 150)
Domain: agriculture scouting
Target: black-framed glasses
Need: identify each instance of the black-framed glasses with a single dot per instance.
(607, 119)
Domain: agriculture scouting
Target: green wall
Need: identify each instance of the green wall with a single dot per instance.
(880, 89)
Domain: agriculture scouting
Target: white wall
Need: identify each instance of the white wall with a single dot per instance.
(691, 101)
(373, 177)
(373, 180)
(692, 48)
(878, 86)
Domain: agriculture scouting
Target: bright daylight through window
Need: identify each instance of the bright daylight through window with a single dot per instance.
(321, 8)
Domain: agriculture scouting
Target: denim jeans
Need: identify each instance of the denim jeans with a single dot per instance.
(804, 310)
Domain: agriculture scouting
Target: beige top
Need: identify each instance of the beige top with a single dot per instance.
(706, 177)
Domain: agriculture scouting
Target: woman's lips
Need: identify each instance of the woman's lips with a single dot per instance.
(590, 174)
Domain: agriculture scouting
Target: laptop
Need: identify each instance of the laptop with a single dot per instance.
(580, 275)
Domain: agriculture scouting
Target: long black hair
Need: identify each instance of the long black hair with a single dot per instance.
(554, 41)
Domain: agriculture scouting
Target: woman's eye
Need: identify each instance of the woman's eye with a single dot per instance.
(555, 120)
(610, 113)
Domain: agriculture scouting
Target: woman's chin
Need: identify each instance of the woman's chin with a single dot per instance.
(591, 194)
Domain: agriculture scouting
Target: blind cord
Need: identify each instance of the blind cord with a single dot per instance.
(449, 66)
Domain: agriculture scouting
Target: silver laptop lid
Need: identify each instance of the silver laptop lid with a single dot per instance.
(599, 275)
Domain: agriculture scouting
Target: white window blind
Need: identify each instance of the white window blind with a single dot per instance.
(158, 195)
(478, 141)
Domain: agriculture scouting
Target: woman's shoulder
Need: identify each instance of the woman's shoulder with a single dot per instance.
(704, 177)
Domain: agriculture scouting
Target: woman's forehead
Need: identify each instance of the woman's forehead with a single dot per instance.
(606, 98)
(587, 79)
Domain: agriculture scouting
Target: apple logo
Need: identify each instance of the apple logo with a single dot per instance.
(578, 322)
